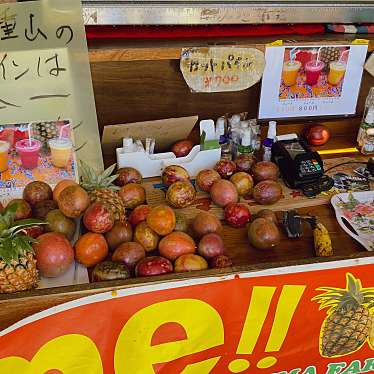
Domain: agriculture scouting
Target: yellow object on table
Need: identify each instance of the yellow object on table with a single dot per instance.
(322, 241)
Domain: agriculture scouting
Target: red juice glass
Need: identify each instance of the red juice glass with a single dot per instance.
(313, 71)
(29, 152)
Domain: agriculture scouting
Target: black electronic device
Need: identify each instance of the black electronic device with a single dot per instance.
(300, 167)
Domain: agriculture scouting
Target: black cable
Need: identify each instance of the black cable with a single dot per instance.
(345, 163)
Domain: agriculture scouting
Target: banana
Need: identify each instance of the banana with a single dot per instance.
(322, 241)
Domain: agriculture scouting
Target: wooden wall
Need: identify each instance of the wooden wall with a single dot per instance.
(144, 82)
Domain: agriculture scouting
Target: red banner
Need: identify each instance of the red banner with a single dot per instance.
(287, 320)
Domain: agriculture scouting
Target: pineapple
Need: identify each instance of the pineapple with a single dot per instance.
(349, 321)
(17, 263)
(44, 131)
(100, 188)
(329, 54)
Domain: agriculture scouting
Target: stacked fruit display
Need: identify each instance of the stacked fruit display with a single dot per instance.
(232, 180)
(36, 231)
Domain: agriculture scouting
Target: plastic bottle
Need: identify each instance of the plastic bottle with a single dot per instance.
(269, 141)
(368, 142)
(245, 146)
(221, 134)
(368, 117)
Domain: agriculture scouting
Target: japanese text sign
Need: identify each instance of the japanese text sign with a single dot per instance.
(44, 68)
(220, 69)
(295, 320)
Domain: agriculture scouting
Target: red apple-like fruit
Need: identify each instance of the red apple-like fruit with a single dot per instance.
(206, 178)
(182, 148)
(129, 253)
(54, 254)
(98, 218)
(220, 262)
(211, 245)
(317, 135)
(139, 214)
(174, 173)
(225, 168)
(237, 214)
(154, 265)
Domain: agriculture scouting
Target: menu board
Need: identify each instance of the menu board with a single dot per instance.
(318, 80)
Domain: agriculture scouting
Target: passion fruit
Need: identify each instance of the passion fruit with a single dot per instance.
(176, 244)
(225, 168)
(206, 178)
(145, 236)
(181, 194)
(223, 192)
(161, 219)
(267, 192)
(128, 175)
(174, 173)
(37, 191)
(132, 194)
(57, 222)
(73, 201)
(205, 223)
(243, 183)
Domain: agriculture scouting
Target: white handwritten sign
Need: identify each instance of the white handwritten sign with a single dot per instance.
(44, 69)
(220, 69)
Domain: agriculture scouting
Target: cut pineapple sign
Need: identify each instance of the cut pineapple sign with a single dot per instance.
(349, 322)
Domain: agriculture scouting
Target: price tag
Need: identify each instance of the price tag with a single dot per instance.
(221, 69)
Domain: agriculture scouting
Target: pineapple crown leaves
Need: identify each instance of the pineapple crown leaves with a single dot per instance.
(13, 242)
(352, 296)
(91, 181)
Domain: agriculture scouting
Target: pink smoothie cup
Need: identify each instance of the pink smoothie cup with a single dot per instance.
(313, 71)
(29, 152)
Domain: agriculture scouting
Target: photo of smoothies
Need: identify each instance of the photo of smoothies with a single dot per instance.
(40, 150)
(310, 72)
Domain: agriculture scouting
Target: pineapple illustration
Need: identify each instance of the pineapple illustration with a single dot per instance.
(100, 187)
(349, 322)
(17, 262)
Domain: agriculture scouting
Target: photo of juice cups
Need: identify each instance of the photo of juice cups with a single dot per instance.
(4, 149)
(313, 70)
(61, 150)
(290, 72)
(336, 72)
(28, 150)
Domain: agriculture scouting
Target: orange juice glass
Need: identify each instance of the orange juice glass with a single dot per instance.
(290, 72)
(336, 72)
(4, 149)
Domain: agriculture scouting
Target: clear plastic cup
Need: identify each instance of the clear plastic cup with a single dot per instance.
(4, 149)
(290, 72)
(61, 150)
(336, 72)
(29, 152)
(313, 71)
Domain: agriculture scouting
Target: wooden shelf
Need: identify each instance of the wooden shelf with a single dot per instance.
(146, 50)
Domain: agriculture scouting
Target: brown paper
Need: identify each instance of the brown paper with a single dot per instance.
(221, 69)
(165, 131)
(369, 66)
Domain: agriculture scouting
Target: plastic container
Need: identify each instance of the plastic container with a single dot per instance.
(368, 142)
(29, 152)
(4, 149)
(313, 71)
(368, 117)
(61, 150)
(269, 141)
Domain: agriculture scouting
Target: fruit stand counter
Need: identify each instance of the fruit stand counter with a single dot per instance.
(282, 310)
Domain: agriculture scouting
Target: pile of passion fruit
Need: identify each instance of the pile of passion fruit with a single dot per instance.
(149, 240)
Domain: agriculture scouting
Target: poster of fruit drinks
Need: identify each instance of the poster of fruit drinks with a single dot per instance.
(303, 81)
(42, 151)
